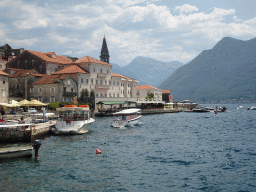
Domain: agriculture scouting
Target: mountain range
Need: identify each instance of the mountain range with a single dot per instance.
(147, 71)
(227, 72)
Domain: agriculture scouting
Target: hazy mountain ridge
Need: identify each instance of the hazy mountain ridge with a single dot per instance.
(147, 70)
(225, 72)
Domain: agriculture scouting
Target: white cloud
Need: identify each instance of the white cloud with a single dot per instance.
(67, 53)
(186, 8)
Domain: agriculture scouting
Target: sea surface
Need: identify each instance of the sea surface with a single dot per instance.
(167, 152)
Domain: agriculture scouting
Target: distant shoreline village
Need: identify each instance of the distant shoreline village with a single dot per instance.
(48, 77)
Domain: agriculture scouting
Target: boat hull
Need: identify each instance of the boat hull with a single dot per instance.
(72, 128)
(9, 153)
(126, 123)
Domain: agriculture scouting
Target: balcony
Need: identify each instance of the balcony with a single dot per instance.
(69, 94)
(102, 86)
(102, 75)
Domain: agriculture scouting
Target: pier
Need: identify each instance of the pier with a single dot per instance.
(15, 133)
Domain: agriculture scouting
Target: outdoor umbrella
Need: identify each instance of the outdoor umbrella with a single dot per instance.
(35, 103)
(13, 103)
(23, 102)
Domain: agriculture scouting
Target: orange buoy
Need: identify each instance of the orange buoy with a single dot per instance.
(98, 151)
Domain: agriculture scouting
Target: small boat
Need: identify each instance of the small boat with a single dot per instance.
(240, 107)
(20, 152)
(127, 117)
(16, 152)
(201, 109)
(252, 108)
(73, 120)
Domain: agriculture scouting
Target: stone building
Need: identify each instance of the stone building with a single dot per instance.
(20, 82)
(53, 88)
(7, 54)
(4, 85)
(43, 63)
(140, 92)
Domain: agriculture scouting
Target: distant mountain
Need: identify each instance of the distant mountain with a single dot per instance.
(147, 70)
(225, 72)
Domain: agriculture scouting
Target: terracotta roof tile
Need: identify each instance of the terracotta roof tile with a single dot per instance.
(88, 59)
(144, 87)
(23, 73)
(71, 70)
(50, 79)
(166, 91)
(3, 73)
(51, 57)
(117, 75)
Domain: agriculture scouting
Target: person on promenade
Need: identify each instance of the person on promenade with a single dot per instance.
(22, 122)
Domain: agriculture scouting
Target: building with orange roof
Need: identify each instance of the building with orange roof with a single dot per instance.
(20, 82)
(4, 92)
(44, 63)
(142, 91)
(53, 88)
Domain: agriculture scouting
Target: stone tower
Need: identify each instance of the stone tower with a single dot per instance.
(104, 55)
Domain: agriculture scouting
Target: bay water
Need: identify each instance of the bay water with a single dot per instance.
(166, 152)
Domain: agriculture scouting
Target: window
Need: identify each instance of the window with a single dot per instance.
(101, 95)
(82, 80)
(68, 81)
(114, 82)
(109, 82)
(100, 70)
(117, 95)
(96, 81)
(107, 71)
(53, 89)
(64, 99)
(33, 61)
(52, 99)
(117, 82)
(97, 95)
(40, 90)
(71, 89)
(105, 82)
(18, 86)
(114, 95)
(138, 93)
(3, 93)
(10, 86)
(3, 82)
(93, 69)
(105, 94)
(87, 80)
(109, 94)
(91, 81)
(101, 81)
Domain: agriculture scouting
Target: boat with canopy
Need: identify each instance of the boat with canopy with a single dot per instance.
(73, 120)
(127, 117)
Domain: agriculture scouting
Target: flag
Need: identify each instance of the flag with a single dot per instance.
(170, 98)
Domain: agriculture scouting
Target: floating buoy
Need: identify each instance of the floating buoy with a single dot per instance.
(98, 151)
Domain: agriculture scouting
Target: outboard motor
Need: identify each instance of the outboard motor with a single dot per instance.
(36, 145)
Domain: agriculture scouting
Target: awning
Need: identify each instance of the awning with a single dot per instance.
(111, 102)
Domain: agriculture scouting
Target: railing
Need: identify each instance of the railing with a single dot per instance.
(102, 86)
(102, 75)
(69, 94)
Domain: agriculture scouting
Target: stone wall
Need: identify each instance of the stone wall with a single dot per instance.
(14, 135)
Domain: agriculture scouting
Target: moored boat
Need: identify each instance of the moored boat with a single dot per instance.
(73, 120)
(127, 117)
(252, 108)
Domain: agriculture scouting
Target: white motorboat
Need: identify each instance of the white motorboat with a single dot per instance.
(127, 117)
(73, 120)
(252, 108)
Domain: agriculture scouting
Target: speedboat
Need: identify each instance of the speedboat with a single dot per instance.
(127, 117)
(252, 108)
(73, 120)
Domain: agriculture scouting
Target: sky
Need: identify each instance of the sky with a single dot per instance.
(165, 30)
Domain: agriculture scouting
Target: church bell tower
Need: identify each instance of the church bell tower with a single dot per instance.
(104, 55)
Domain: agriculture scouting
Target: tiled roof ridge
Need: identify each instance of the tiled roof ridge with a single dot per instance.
(66, 70)
(145, 87)
(88, 59)
(122, 76)
(3, 73)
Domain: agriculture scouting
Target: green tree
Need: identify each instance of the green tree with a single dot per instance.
(150, 96)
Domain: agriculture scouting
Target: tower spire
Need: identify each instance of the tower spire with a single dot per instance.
(104, 54)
